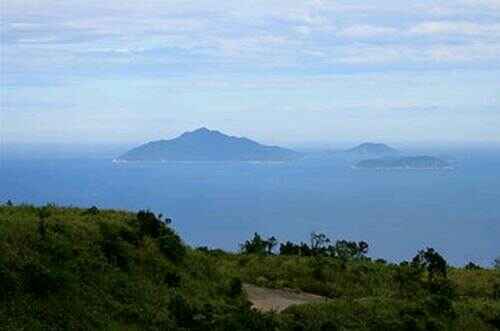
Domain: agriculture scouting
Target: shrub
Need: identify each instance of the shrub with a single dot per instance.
(431, 261)
(171, 246)
(91, 211)
(149, 224)
(172, 279)
(42, 281)
(258, 245)
(472, 266)
(496, 290)
(182, 311)
(235, 287)
(496, 263)
(245, 319)
(117, 251)
(7, 280)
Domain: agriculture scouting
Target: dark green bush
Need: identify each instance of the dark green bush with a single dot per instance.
(235, 287)
(92, 211)
(172, 279)
(149, 224)
(40, 280)
(117, 251)
(171, 246)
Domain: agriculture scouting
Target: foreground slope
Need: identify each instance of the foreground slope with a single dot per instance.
(207, 145)
(88, 269)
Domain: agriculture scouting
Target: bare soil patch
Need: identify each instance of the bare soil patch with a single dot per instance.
(266, 299)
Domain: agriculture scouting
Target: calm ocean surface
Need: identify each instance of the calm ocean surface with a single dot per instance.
(222, 204)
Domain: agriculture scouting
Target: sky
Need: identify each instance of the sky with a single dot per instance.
(284, 72)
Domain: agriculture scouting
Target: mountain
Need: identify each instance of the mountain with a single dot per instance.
(411, 162)
(372, 150)
(207, 145)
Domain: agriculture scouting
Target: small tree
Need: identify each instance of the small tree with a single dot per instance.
(472, 266)
(257, 245)
(92, 211)
(496, 264)
(318, 241)
(150, 225)
(347, 250)
(362, 247)
(43, 214)
(270, 244)
(289, 248)
(431, 261)
(436, 266)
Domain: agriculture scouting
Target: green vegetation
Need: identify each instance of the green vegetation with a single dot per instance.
(70, 268)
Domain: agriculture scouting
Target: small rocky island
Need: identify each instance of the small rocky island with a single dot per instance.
(371, 150)
(207, 145)
(409, 162)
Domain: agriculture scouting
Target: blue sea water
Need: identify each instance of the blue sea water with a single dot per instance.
(221, 204)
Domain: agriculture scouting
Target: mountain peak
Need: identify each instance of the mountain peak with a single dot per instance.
(207, 145)
(203, 132)
(373, 148)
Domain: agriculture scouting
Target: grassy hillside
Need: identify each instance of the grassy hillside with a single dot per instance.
(70, 268)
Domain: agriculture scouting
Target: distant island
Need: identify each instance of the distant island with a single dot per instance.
(410, 162)
(207, 145)
(372, 150)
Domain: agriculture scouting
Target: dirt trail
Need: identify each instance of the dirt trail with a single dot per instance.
(266, 299)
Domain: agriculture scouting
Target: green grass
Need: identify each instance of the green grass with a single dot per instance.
(77, 269)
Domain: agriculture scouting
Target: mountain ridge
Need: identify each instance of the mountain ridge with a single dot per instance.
(207, 145)
(370, 148)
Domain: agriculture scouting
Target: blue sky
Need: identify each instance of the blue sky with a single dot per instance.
(285, 72)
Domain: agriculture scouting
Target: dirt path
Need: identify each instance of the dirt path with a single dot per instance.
(266, 299)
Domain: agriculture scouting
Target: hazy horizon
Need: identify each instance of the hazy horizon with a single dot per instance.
(284, 73)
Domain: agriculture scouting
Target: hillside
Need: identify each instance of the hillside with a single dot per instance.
(91, 269)
(207, 145)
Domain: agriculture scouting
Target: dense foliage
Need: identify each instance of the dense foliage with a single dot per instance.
(70, 268)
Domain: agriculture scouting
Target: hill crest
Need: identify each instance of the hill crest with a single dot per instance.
(204, 144)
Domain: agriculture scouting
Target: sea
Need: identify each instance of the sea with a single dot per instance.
(221, 204)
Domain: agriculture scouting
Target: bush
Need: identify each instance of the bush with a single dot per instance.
(245, 319)
(258, 245)
(117, 251)
(8, 281)
(92, 211)
(496, 263)
(472, 266)
(171, 246)
(149, 224)
(172, 279)
(235, 287)
(431, 261)
(42, 281)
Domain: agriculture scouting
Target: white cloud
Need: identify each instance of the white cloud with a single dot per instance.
(366, 31)
(303, 29)
(495, 4)
(465, 53)
(456, 28)
(251, 35)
